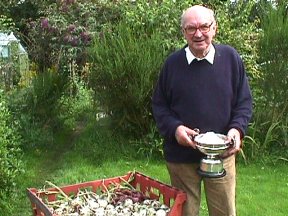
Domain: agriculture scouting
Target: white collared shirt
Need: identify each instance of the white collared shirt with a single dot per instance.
(209, 57)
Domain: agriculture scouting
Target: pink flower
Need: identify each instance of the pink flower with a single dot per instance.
(45, 23)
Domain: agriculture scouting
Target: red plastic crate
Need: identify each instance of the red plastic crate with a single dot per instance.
(171, 196)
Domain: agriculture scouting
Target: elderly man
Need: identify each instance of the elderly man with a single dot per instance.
(203, 85)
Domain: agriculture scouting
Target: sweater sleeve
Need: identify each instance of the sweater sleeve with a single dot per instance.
(166, 119)
(242, 106)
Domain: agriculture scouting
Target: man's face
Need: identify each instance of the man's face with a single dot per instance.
(199, 30)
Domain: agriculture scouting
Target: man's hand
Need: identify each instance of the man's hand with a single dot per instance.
(183, 136)
(233, 137)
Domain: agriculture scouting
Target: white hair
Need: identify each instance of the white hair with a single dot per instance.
(185, 12)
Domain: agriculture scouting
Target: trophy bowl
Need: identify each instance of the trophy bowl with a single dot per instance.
(212, 145)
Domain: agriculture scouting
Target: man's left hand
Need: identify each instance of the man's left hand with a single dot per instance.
(233, 137)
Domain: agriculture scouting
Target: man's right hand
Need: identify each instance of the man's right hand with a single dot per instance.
(183, 136)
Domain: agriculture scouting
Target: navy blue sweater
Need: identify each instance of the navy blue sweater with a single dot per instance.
(200, 95)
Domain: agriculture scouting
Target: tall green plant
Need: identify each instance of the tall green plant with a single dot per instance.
(273, 57)
(267, 134)
(126, 62)
(267, 137)
(44, 93)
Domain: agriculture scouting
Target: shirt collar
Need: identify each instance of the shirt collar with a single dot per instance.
(209, 57)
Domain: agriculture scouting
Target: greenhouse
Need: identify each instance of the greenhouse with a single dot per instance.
(13, 59)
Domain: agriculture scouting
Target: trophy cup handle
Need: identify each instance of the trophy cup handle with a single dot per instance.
(193, 136)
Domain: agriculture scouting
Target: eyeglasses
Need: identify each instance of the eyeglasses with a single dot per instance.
(203, 28)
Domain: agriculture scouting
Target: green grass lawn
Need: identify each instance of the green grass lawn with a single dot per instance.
(96, 153)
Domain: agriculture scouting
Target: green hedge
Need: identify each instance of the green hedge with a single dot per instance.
(10, 153)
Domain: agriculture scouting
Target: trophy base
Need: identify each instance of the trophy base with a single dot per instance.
(206, 174)
(211, 167)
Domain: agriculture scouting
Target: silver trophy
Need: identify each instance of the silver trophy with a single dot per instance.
(212, 145)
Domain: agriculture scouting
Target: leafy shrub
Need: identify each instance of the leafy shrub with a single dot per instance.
(239, 31)
(59, 38)
(77, 106)
(6, 24)
(125, 66)
(10, 153)
(162, 16)
(36, 107)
